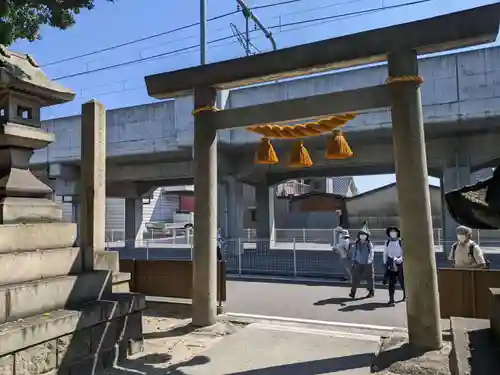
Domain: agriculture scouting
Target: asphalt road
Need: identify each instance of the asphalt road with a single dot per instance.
(316, 302)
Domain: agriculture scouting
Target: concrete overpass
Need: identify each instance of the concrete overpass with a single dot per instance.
(151, 145)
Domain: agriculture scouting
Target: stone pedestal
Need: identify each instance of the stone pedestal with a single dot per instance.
(58, 313)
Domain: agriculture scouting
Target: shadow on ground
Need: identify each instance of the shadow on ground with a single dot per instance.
(175, 332)
(317, 367)
(368, 306)
(145, 365)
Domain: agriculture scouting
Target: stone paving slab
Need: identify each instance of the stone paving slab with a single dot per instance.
(261, 349)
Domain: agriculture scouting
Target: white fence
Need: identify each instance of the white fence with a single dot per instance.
(295, 259)
(181, 236)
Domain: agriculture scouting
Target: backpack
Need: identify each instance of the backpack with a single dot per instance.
(356, 247)
(487, 263)
(388, 241)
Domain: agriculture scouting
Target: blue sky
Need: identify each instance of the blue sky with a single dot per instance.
(124, 20)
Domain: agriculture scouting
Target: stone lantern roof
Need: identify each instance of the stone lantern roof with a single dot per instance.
(20, 72)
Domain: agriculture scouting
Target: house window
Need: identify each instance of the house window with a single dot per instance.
(25, 113)
(253, 215)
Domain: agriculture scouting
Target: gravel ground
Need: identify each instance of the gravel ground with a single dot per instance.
(171, 343)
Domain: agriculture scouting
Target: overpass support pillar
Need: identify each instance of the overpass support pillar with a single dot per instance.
(234, 210)
(133, 221)
(456, 173)
(204, 307)
(264, 197)
(423, 314)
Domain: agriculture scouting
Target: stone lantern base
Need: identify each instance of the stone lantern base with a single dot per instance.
(54, 317)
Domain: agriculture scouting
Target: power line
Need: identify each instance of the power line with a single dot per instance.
(337, 17)
(171, 31)
(374, 10)
(139, 87)
(130, 62)
(307, 10)
(110, 48)
(274, 4)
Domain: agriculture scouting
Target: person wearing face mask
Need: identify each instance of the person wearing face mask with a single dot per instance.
(362, 262)
(465, 253)
(393, 260)
(343, 250)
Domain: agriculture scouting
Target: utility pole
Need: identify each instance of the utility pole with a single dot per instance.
(249, 15)
(203, 31)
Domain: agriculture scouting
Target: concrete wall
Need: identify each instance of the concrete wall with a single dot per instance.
(460, 86)
(457, 86)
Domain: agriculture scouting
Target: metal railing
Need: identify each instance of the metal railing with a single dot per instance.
(170, 236)
(291, 259)
(183, 236)
(292, 188)
(328, 236)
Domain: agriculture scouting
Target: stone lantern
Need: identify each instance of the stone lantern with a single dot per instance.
(57, 307)
(24, 90)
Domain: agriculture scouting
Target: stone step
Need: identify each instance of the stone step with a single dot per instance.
(107, 260)
(37, 236)
(121, 282)
(26, 266)
(34, 265)
(35, 297)
(72, 338)
(473, 350)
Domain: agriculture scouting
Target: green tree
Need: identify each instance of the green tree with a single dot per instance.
(22, 19)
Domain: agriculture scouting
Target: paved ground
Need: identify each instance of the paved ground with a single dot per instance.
(174, 347)
(316, 302)
(266, 349)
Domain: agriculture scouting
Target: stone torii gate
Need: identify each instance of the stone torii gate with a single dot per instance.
(399, 45)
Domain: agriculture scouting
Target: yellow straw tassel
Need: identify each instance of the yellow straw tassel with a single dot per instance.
(337, 147)
(299, 157)
(265, 153)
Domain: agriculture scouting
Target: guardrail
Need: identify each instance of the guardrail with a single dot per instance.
(176, 236)
(295, 259)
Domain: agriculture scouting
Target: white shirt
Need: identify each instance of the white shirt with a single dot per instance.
(461, 256)
(393, 250)
(343, 248)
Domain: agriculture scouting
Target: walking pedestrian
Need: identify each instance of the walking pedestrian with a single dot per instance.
(393, 260)
(465, 253)
(362, 264)
(343, 249)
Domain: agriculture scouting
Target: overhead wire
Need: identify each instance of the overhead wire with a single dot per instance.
(140, 87)
(256, 7)
(160, 55)
(116, 46)
(356, 13)
(149, 37)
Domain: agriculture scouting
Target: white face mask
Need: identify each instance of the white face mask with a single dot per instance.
(462, 237)
(345, 242)
(393, 234)
(363, 237)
